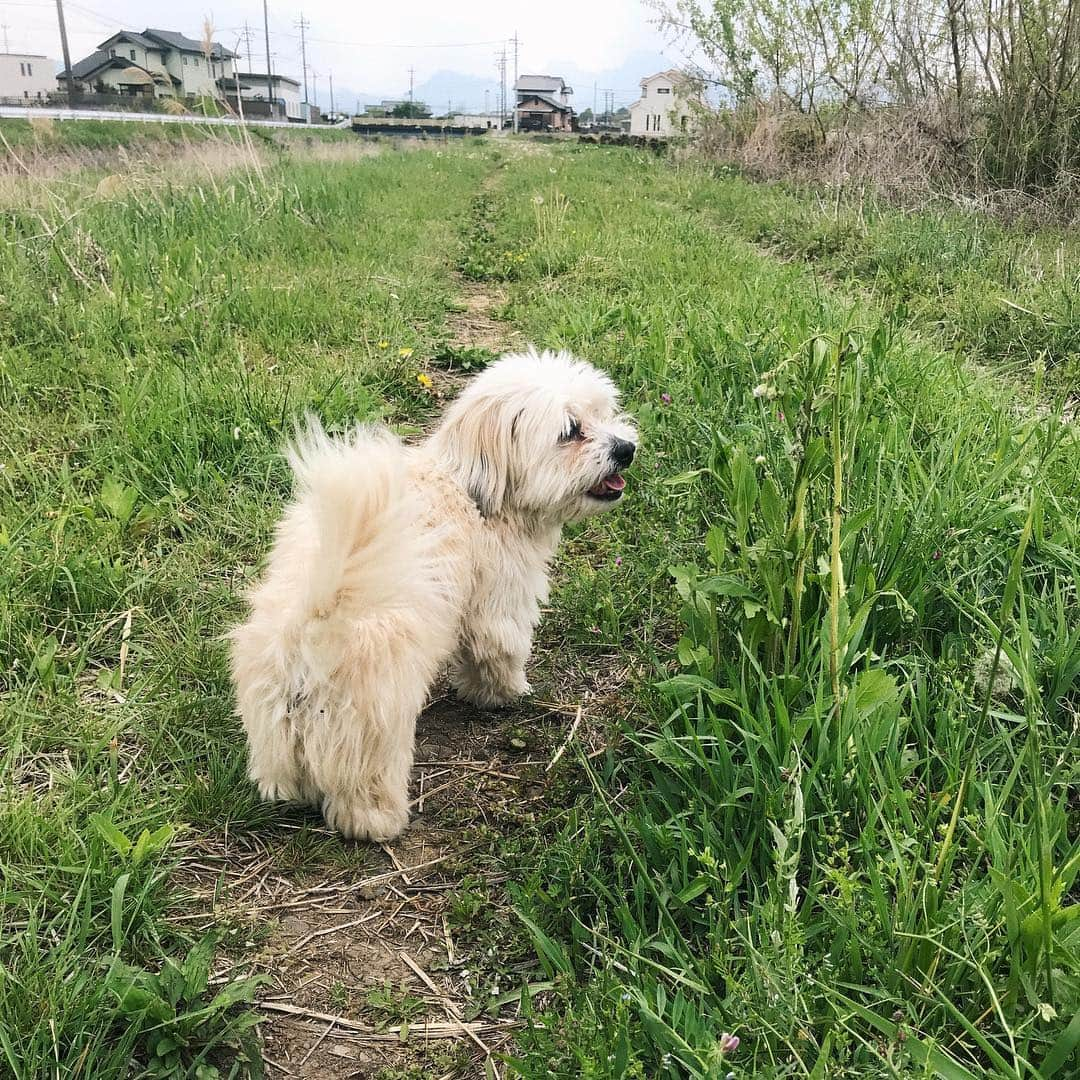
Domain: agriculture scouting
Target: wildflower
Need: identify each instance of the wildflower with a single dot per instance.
(404, 353)
(594, 629)
(384, 344)
(236, 434)
(780, 415)
(424, 380)
(618, 560)
(937, 554)
(538, 200)
(760, 459)
(665, 398)
(765, 390)
(728, 1043)
(626, 996)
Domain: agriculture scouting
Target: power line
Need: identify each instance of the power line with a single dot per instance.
(399, 44)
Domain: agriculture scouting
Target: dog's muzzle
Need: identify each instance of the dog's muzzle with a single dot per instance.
(611, 487)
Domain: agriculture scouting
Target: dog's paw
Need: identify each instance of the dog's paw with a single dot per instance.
(361, 821)
(492, 697)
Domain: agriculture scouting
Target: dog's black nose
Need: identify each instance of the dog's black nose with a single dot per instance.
(622, 452)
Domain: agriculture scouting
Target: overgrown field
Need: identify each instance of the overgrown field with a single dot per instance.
(836, 834)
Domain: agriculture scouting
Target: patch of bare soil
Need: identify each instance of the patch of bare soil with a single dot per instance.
(473, 325)
(374, 968)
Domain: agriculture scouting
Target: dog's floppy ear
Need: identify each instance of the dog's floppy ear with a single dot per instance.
(474, 440)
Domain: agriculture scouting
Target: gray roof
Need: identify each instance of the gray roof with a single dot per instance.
(554, 102)
(145, 42)
(89, 64)
(259, 78)
(183, 43)
(543, 83)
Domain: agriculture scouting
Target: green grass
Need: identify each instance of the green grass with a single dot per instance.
(834, 823)
(1006, 296)
(819, 829)
(152, 359)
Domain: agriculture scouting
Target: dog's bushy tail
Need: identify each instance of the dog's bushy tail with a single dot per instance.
(365, 512)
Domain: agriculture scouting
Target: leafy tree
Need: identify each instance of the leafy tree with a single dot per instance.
(411, 110)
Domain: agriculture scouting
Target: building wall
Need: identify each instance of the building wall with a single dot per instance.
(25, 76)
(286, 92)
(661, 111)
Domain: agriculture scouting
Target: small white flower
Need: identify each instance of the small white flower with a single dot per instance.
(236, 434)
(760, 459)
(761, 390)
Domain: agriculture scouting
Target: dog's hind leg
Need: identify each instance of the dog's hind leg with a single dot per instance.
(358, 748)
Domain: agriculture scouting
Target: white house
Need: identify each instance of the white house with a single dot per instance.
(26, 76)
(666, 106)
(284, 91)
(153, 64)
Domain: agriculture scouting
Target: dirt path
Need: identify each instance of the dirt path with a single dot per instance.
(376, 957)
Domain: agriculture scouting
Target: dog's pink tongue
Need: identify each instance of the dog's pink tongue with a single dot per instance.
(614, 482)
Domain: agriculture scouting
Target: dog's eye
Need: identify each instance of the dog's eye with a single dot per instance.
(573, 433)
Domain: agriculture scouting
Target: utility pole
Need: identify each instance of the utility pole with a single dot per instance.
(67, 52)
(303, 24)
(315, 88)
(246, 35)
(331, 96)
(487, 107)
(514, 40)
(269, 70)
(412, 75)
(4, 27)
(595, 119)
(501, 64)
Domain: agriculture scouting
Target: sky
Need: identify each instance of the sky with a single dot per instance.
(370, 47)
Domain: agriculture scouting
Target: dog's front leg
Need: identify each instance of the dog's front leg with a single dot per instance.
(489, 667)
(488, 677)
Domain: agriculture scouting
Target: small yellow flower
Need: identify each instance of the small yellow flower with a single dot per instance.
(404, 353)
(384, 344)
(424, 381)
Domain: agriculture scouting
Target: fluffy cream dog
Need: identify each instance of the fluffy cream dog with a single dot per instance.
(395, 562)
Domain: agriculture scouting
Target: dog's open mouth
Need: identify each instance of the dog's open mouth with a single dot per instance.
(609, 489)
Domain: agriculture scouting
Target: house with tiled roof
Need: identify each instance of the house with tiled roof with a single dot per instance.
(153, 64)
(542, 103)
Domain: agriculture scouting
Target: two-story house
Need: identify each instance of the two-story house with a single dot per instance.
(154, 64)
(26, 77)
(667, 106)
(543, 103)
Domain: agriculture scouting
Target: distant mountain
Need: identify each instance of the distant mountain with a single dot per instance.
(624, 80)
(472, 93)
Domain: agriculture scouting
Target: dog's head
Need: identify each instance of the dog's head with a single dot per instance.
(539, 434)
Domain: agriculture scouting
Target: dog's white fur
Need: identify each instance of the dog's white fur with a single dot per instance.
(393, 562)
